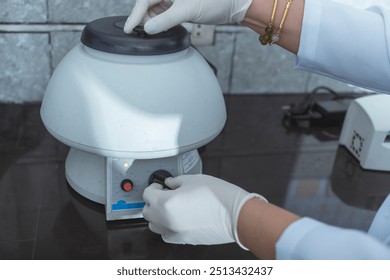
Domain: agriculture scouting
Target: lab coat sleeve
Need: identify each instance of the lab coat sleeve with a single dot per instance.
(313, 240)
(349, 44)
(380, 227)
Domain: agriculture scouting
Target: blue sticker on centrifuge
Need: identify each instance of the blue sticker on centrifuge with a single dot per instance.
(122, 205)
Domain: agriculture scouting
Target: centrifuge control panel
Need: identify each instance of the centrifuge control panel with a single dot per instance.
(128, 178)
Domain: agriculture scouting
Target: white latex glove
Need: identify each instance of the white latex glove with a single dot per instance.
(199, 210)
(161, 15)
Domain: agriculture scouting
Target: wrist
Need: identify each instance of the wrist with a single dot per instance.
(246, 203)
(258, 15)
(245, 220)
(290, 15)
(260, 226)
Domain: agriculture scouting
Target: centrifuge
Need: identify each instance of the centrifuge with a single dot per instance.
(134, 109)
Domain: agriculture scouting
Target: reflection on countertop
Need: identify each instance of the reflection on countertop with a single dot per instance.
(301, 170)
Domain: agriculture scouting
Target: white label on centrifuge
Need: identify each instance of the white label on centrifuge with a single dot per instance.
(189, 160)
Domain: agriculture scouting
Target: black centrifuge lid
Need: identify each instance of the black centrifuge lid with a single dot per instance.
(107, 35)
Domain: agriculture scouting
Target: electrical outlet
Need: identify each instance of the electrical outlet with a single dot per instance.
(202, 34)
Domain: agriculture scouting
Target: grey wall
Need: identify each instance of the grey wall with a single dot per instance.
(36, 34)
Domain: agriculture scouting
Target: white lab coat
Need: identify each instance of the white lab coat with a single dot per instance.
(345, 43)
(350, 45)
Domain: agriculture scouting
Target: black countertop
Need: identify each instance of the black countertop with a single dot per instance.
(303, 170)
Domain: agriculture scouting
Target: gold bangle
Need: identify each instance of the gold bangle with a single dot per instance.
(268, 37)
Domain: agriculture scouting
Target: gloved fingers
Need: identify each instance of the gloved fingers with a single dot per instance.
(151, 193)
(160, 8)
(174, 238)
(156, 228)
(146, 212)
(173, 16)
(150, 215)
(174, 182)
(193, 239)
(139, 11)
(154, 197)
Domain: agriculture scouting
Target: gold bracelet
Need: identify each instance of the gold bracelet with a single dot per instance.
(268, 37)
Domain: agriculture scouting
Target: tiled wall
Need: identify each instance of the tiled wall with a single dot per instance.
(36, 34)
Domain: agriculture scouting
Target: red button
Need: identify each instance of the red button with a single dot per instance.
(127, 185)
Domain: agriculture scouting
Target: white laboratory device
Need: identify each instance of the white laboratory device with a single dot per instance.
(132, 108)
(366, 131)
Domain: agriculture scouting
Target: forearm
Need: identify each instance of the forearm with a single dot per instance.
(260, 225)
(259, 14)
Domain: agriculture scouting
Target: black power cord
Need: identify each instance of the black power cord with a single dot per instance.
(310, 112)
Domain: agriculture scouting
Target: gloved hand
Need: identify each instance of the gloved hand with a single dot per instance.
(199, 210)
(161, 15)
